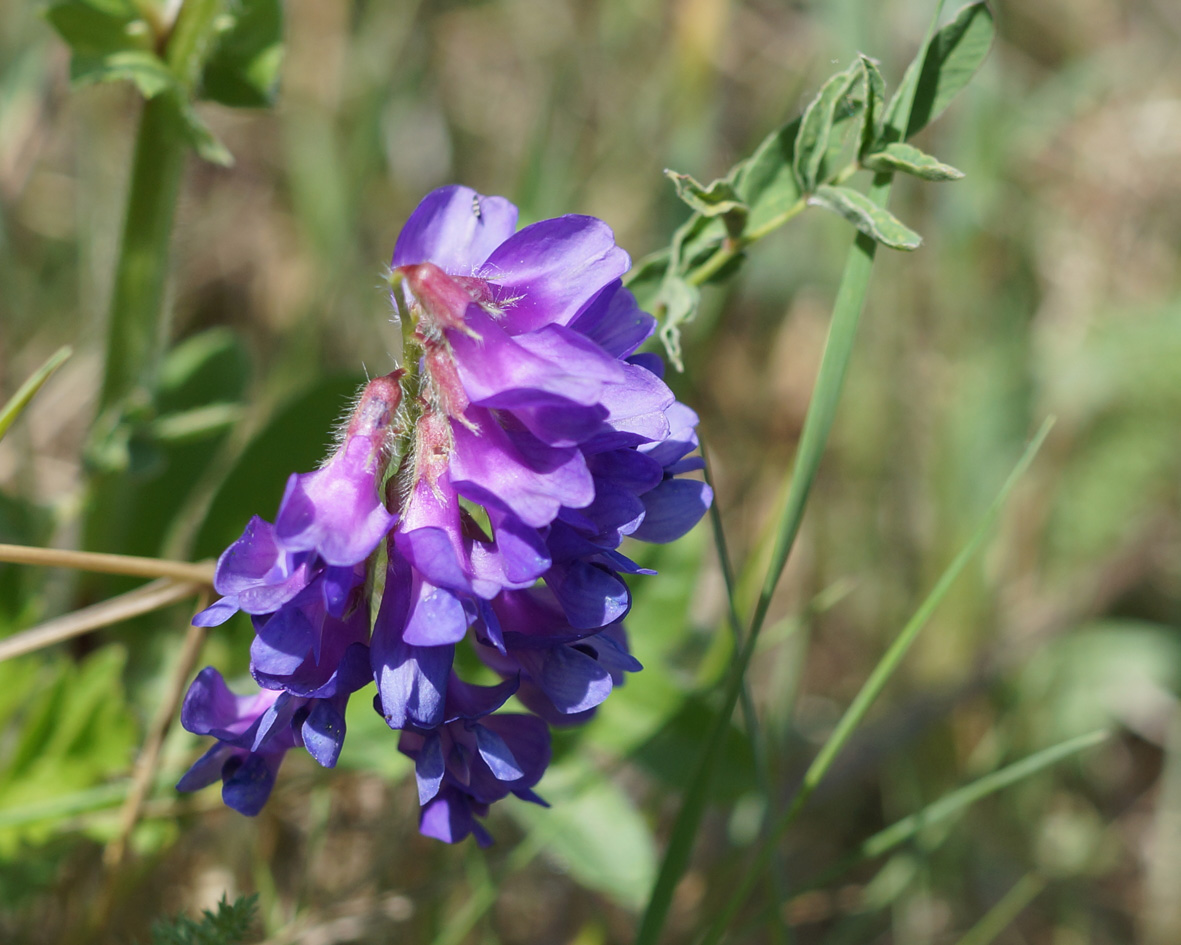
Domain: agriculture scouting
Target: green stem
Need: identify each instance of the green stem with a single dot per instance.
(191, 38)
(750, 716)
(137, 328)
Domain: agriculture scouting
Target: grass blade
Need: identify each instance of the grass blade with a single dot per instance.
(997, 919)
(873, 686)
(892, 658)
(958, 800)
(20, 400)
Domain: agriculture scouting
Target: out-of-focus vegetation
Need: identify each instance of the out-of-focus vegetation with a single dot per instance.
(1048, 283)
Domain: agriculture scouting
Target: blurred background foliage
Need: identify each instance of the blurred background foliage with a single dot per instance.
(1048, 283)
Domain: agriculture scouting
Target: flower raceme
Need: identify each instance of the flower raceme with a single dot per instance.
(535, 440)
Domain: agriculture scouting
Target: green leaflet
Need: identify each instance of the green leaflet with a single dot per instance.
(816, 127)
(199, 136)
(230, 925)
(765, 181)
(875, 222)
(680, 300)
(954, 55)
(910, 160)
(719, 199)
(875, 105)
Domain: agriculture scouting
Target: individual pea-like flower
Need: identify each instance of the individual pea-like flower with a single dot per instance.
(473, 758)
(565, 673)
(254, 733)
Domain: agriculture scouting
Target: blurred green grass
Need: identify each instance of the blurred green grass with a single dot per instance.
(1048, 283)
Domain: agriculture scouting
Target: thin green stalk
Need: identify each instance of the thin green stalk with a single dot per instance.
(191, 38)
(999, 917)
(956, 801)
(870, 690)
(750, 717)
(748, 708)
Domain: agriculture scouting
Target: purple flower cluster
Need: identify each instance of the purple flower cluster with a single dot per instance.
(537, 439)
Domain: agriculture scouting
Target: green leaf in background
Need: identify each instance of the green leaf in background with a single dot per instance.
(141, 67)
(212, 367)
(74, 730)
(200, 138)
(908, 159)
(243, 70)
(953, 57)
(201, 393)
(28, 390)
(594, 830)
(670, 754)
(717, 200)
(816, 126)
(1102, 674)
(200, 423)
(874, 221)
(97, 28)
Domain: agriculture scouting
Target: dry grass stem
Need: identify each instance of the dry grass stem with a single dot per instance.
(142, 600)
(200, 573)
